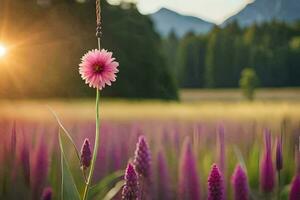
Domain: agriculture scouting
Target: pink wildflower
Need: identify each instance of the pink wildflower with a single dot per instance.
(98, 68)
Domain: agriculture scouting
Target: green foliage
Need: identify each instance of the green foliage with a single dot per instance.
(68, 187)
(212, 64)
(294, 61)
(103, 186)
(114, 191)
(71, 182)
(170, 50)
(191, 53)
(144, 72)
(248, 83)
(55, 37)
(271, 48)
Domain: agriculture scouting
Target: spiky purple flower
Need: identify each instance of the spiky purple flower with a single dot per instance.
(13, 140)
(295, 188)
(163, 178)
(25, 162)
(279, 158)
(188, 186)
(40, 169)
(267, 173)
(142, 158)
(131, 189)
(86, 155)
(47, 193)
(240, 184)
(215, 184)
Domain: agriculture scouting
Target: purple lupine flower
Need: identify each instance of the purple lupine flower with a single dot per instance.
(188, 185)
(215, 184)
(163, 178)
(131, 189)
(25, 161)
(142, 158)
(221, 139)
(86, 155)
(47, 193)
(240, 184)
(295, 188)
(267, 174)
(40, 169)
(13, 141)
(279, 160)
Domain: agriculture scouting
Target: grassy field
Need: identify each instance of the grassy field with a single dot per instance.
(271, 105)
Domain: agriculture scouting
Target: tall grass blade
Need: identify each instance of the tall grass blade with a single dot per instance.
(102, 187)
(114, 191)
(68, 188)
(64, 130)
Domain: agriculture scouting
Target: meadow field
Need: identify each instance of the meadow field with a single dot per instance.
(97, 100)
(194, 105)
(185, 138)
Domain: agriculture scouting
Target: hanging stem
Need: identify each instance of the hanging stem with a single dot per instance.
(97, 134)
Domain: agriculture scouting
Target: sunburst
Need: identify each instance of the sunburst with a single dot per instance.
(3, 50)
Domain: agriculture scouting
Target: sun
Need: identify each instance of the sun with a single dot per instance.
(3, 50)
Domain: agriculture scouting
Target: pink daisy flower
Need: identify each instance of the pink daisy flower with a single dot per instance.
(98, 68)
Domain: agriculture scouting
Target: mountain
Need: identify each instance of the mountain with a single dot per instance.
(266, 10)
(166, 20)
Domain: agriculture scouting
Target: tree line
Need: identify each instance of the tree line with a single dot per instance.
(216, 60)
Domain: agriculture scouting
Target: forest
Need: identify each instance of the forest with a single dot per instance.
(216, 60)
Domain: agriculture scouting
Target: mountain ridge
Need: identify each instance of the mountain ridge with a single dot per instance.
(266, 10)
(258, 11)
(166, 20)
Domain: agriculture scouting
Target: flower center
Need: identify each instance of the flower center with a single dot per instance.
(98, 68)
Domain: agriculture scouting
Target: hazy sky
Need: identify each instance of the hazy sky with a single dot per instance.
(213, 10)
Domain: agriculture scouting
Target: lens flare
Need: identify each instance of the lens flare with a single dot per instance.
(3, 50)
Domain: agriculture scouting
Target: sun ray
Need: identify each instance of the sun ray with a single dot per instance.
(3, 50)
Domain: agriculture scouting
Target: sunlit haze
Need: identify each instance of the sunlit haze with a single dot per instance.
(212, 10)
(3, 50)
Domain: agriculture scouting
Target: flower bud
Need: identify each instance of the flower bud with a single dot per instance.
(86, 155)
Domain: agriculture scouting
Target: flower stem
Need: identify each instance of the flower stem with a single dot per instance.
(97, 135)
(279, 186)
(96, 146)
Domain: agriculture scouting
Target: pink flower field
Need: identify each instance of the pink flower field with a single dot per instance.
(175, 162)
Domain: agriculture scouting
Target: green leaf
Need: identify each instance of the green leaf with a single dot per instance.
(65, 132)
(285, 192)
(239, 156)
(114, 191)
(102, 187)
(68, 187)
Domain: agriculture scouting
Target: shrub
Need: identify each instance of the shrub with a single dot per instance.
(248, 83)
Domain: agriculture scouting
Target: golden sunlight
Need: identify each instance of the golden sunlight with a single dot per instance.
(3, 50)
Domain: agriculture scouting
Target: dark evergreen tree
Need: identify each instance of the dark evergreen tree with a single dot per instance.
(192, 61)
(170, 49)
